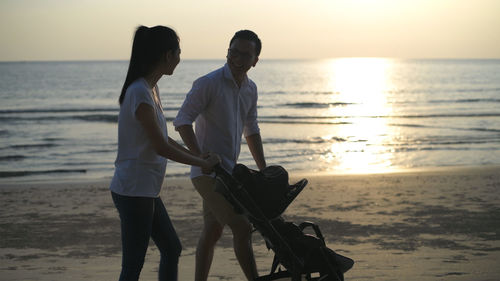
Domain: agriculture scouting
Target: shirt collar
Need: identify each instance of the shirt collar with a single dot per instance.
(229, 75)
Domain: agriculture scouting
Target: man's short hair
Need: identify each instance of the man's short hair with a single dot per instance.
(250, 36)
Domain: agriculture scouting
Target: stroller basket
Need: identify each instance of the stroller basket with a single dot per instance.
(299, 253)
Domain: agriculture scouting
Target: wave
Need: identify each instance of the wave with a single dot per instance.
(317, 120)
(56, 110)
(338, 104)
(448, 128)
(329, 120)
(68, 110)
(298, 117)
(290, 119)
(444, 115)
(53, 139)
(476, 90)
(277, 121)
(462, 142)
(98, 118)
(492, 100)
(35, 145)
(315, 140)
(10, 174)
(108, 118)
(12, 157)
(316, 93)
(442, 90)
(316, 104)
(441, 148)
(484, 130)
(110, 114)
(409, 125)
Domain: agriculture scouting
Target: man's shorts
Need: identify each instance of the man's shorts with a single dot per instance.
(214, 203)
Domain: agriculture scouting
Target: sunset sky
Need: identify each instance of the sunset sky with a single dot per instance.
(103, 30)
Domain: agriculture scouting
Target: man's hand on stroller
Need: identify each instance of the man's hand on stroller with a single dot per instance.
(211, 160)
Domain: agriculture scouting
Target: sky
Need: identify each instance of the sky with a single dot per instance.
(289, 29)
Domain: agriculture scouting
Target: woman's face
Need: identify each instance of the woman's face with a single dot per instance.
(172, 60)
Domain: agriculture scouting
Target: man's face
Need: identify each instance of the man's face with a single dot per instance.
(241, 56)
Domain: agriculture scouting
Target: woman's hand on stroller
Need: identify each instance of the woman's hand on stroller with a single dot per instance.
(211, 159)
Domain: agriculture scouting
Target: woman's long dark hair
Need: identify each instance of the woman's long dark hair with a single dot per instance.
(150, 44)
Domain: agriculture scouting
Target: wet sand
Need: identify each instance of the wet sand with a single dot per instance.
(441, 224)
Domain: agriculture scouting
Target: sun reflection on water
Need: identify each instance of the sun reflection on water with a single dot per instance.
(362, 85)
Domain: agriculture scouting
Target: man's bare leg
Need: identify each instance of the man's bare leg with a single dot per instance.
(242, 243)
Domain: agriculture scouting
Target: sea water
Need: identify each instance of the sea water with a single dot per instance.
(58, 120)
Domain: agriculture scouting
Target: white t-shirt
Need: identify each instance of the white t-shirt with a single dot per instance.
(222, 113)
(139, 170)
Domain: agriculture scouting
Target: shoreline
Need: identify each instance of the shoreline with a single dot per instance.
(292, 174)
(438, 224)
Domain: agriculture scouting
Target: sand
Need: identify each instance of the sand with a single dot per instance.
(440, 224)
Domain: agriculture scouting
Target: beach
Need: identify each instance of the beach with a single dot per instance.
(433, 224)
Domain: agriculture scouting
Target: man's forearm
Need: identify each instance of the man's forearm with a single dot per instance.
(255, 145)
(189, 138)
(180, 147)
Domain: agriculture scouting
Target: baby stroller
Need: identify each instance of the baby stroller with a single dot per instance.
(263, 196)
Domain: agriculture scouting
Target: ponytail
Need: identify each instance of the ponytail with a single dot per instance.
(148, 47)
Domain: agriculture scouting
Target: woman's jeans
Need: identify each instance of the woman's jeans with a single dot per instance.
(141, 218)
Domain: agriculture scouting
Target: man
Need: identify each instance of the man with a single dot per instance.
(224, 105)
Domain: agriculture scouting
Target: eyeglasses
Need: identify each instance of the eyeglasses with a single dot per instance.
(235, 53)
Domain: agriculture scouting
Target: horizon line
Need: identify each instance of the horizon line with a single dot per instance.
(261, 59)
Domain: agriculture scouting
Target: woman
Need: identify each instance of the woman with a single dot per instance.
(143, 149)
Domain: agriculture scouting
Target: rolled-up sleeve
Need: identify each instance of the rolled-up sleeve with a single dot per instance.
(196, 100)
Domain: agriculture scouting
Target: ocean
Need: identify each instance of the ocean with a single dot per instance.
(348, 115)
